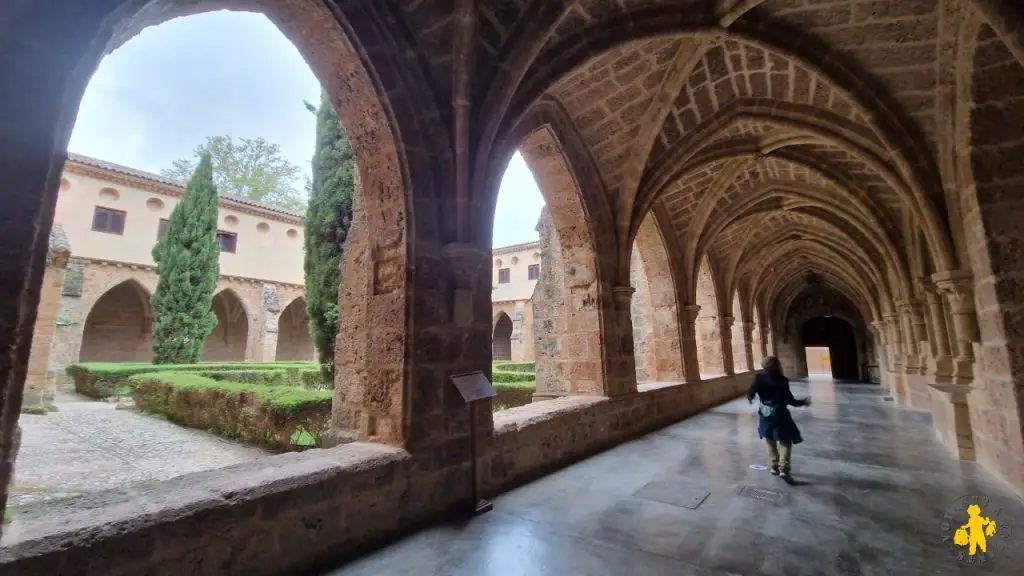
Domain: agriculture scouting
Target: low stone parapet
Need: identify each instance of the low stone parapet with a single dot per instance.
(299, 511)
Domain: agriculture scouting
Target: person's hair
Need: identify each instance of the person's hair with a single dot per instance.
(771, 364)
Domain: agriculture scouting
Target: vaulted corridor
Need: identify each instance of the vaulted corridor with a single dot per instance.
(875, 488)
(786, 172)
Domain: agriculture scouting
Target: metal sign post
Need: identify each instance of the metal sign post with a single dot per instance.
(474, 386)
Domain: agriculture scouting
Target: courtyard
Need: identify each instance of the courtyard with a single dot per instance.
(89, 446)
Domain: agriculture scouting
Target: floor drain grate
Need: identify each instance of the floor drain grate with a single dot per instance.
(764, 494)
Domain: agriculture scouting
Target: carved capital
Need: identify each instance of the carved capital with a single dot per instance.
(958, 289)
(691, 312)
(623, 296)
(727, 322)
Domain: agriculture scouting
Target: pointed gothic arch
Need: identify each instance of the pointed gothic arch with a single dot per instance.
(229, 340)
(119, 327)
(293, 340)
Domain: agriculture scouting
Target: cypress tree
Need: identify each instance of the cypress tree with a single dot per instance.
(328, 217)
(187, 267)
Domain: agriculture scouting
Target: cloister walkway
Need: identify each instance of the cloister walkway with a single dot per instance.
(875, 487)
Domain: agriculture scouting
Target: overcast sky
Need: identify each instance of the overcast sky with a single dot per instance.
(229, 73)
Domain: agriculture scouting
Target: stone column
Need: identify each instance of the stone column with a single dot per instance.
(897, 360)
(938, 317)
(725, 331)
(882, 351)
(919, 325)
(691, 365)
(764, 340)
(621, 374)
(958, 290)
(748, 344)
(40, 381)
(907, 327)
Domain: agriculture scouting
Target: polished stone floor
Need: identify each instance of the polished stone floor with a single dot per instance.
(873, 486)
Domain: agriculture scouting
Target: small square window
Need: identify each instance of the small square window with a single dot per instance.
(161, 231)
(533, 272)
(504, 276)
(108, 221)
(228, 241)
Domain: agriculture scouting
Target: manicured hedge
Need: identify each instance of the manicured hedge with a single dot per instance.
(512, 394)
(530, 367)
(309, 378)
(270, 416)
(499, 376)
(104, 379)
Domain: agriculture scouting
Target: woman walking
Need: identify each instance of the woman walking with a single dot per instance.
(774, 422)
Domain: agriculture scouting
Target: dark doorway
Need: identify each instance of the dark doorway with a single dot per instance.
(837, 335)
(502, 344)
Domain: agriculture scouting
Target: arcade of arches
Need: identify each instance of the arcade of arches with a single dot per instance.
(741, 167)
(105, 316)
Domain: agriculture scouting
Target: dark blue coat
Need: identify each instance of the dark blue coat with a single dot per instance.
(773, 390)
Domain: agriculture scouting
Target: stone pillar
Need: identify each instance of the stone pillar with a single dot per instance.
(938, 323)
(270, 309)
(748, 345)
(919, 324)
(764, 341)
(549, 316)
(882, 352)
(621, 375)
(40, 380)
(958, 290)
(725, 332)
(691, 365)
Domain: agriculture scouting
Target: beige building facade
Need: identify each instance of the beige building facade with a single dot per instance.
(101, 276)
(515, 275)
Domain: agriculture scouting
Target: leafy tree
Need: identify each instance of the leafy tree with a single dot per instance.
(249, 167)
(187, 267)
(326, 226)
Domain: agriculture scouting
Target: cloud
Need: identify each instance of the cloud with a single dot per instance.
(163, 92)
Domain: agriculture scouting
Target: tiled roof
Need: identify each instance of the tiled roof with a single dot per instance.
(118, 168)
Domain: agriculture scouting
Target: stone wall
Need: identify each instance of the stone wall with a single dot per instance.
(293, 512)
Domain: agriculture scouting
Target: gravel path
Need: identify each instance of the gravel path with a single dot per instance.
(88, 446)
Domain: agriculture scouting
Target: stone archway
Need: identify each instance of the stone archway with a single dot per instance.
(654, 308)
(119, 327)
(229, 339)
(501, 342)
(708, 327)
(293, 340)
(838, 336)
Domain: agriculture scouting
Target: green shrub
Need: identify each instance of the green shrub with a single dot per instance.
(104, 379)
(512, 394)
(516, 366)
(271, 416)
(309, 378)
(498, 376)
